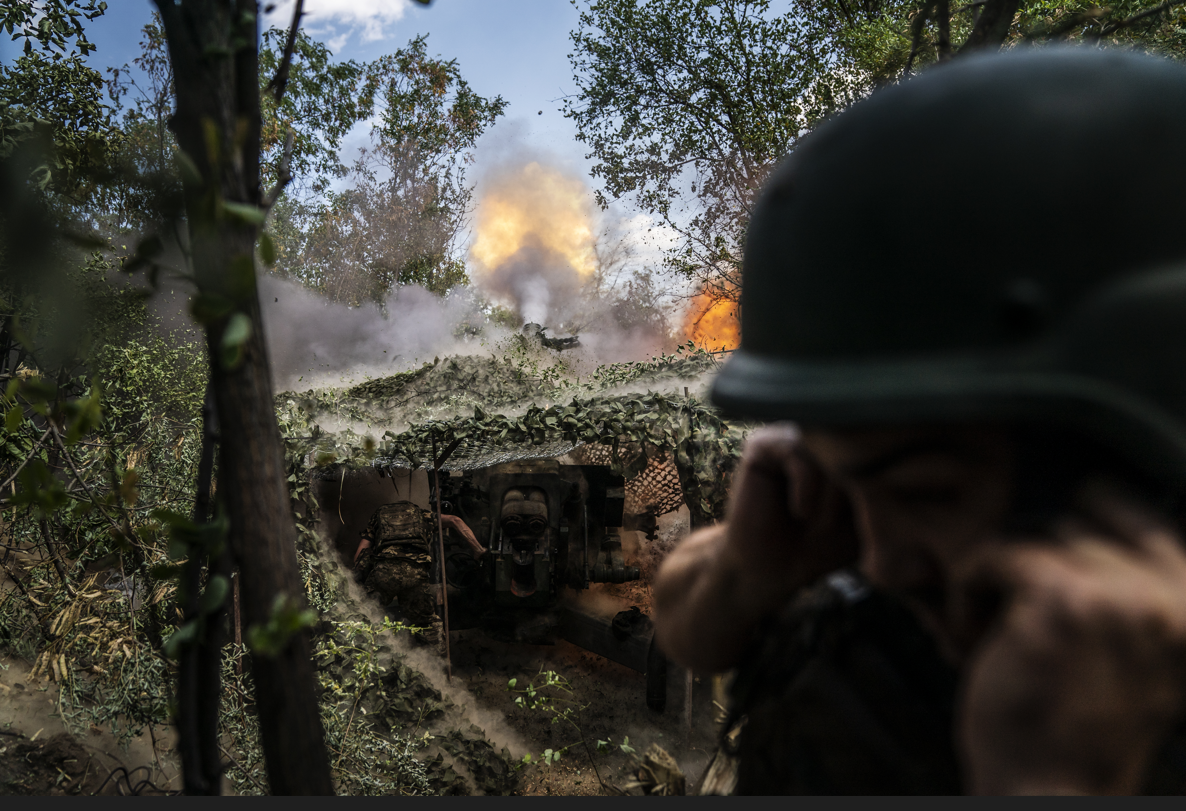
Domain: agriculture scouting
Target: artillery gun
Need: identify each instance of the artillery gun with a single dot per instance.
(551, 529)
(536, 333)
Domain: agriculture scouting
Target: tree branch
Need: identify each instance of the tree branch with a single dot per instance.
(283, 174)
(1114, 27)
(1070, 22)
(32, 453)
(992, 26)
(279, 82)
(943, 23)
(916, 28)
(55, 558)
(86, 488)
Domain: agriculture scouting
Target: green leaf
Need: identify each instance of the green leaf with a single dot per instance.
(14, 419)
(37, 389)
(165, 571)
(207, 307)
(234, 339)
(182, 638)
(244, 212)
(214, 595)
(267, 248)
(190, 175)
(285, 620)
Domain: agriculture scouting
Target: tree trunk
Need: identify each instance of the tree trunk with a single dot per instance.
(992, 26)
(199, 677)
(213, 48)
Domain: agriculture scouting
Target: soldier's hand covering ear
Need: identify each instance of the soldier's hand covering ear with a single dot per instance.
(787, 520)
(787, 526)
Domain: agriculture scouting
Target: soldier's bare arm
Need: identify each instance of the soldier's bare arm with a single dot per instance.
(362, 544)
(787, 526)
(459, 526)
(1083, 676)
(368, 535)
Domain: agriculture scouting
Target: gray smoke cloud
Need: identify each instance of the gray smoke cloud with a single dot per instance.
(313, 342)
(540, 281)
(542, 247)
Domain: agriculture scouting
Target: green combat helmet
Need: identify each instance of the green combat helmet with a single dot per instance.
(1000, 239)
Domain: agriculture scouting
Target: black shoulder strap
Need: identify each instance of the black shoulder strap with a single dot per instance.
(843, 692)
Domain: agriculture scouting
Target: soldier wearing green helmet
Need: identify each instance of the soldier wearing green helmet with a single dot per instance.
(961, 566)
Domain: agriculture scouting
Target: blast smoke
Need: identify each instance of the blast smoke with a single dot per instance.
(536, 248)
(313, 342)
(535, 242)
(424, 661)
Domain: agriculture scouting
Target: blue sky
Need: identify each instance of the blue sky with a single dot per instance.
(513, 48)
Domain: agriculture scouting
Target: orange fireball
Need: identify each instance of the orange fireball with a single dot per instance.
(712, 323)
(535, 204)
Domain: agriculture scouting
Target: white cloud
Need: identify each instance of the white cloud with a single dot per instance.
(336, 21)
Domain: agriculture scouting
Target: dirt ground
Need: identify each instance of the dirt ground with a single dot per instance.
(613, 696)
(614, 710)
(38, 756)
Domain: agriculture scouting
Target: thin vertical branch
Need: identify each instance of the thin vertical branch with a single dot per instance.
(943, 24)
(436, 473)
(917, 26)
(279, 82)
(198, 679)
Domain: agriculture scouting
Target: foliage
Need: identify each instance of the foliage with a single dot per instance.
(144, 190)
(83, 519)
(98, 634)
(884, 40)
(322, 100)
(50, 86)
(366, 762)
(426, 101)
(408, 202)
(100, 446)
(686, 104)
(397, 224)
(554, 697)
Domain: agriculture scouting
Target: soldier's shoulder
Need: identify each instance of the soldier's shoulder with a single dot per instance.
(398, 510)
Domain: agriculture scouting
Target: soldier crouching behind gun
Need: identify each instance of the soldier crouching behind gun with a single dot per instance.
(394, 560)
(965, 569)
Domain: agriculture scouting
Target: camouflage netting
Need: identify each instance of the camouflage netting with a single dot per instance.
(655, 489)
(671, 447)
(447, 387)
(662, 441)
